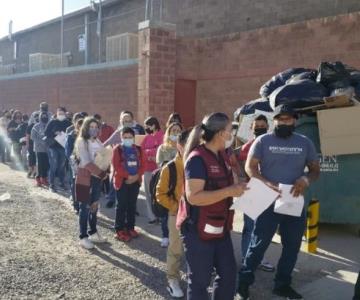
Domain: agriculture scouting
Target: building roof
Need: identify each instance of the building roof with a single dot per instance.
(82, 11)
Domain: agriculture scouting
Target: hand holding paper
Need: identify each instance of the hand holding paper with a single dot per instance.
(288, 204)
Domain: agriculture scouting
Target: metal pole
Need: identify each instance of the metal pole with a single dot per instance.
(146, 9)
(99, 30)
(86, 39)
(62, 34)
(161, 10)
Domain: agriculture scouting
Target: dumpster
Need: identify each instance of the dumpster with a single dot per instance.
(338, 188)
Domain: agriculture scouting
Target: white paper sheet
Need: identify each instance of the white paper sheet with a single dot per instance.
(61, 138)
(255, 200)
(287, 204)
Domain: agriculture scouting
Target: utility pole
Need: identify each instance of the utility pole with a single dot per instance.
(62, 34)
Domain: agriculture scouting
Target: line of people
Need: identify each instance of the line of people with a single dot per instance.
(199, 173)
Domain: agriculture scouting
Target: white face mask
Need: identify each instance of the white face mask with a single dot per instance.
(229, 143)
(61, 117)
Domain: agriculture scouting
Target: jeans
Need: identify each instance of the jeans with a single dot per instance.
(42, 164)
(246, 234)
(126, 206)
(112, 192)
(86, 215)
(164, 226)
(57, 160)
(291, 230)
(203, 257)
(147, 178)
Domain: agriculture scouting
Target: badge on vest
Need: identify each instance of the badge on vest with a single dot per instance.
(214, 169)
(213, 230)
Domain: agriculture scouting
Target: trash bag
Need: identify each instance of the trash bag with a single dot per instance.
(333, 75)
(348, 91)
(300, 94)
(250, 107)
(305, 75)
(279, 80)
(355, 78)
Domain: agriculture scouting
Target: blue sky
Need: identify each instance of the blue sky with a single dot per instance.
(27, 13)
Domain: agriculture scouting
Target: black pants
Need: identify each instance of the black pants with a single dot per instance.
(42, 164)
(2, 149)
(126, 206)
(357, 289)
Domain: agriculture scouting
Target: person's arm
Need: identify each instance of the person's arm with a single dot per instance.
(196, 195)
(49, 130)
(159, 156)
(252, 169)
(35, 135)
(162, 190)
(313, 165)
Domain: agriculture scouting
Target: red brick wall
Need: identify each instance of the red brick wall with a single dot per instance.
(105, 91)
(230, 69)
(156, 85)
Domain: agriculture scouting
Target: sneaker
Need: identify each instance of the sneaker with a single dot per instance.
(133, 233)
(243, 291)
(122, 235)
(287, 292)
(38, 182)
(164, 242)
(267, 267)
(52, 189)
(97, 238)
(110, 204)
(174, 289)
(44, 181)
(86, 244)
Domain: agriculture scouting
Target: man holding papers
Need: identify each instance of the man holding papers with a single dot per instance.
(278, 158)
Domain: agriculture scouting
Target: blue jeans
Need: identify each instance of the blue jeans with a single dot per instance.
(85, 214)
(57, 161)
(164, 226)
(246, 234)
(291, 230)
(202, 258)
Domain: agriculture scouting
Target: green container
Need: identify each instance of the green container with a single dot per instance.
(338, 188)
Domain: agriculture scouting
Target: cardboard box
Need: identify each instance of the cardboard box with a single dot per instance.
(339, 130)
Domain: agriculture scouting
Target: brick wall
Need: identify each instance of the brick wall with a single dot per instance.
(230, 69)
(106, 91)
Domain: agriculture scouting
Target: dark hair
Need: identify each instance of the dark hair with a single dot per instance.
(16, 112)
(129, 130)
(206, 131)
(84, 131)
(61, 108)
(261, 118)
(76, 117)
(25, 118)
(127, 112)
(98, 117)
(78, 123)
(84, 114)
(184, 137)
(152, 121)
(173, 116)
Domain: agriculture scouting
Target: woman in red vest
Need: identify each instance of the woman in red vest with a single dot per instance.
(209, 188)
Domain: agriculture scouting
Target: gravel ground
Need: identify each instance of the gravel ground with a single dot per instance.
(40, 257)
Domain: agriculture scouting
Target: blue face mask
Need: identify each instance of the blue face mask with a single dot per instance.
(128, 142)
(174, 138)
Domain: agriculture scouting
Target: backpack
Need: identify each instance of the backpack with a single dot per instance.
(159, 210)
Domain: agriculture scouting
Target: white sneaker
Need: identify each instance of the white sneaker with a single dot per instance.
(86, 244)
(164, 242)
(97, 238)
(174, 289)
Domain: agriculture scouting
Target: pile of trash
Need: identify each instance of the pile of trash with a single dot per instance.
(306, 90)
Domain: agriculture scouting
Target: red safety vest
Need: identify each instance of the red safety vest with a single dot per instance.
(215, 220)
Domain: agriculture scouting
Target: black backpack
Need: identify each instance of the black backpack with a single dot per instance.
(159, 210)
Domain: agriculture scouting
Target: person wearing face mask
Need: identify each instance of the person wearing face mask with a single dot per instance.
(88, 182)
(259, 127)
(41, 149)
(4, 139)
(174, 118)
(166, 152)
(31, 155)
(171, 202)
(128, 165)
(153, 139)
(44, 107)
(13, 134)
(274, 158)
(209, 190)
(57, 156)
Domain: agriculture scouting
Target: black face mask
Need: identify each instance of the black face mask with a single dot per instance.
(44, 120)
(44, 109)
(284, 131)
(260, 131)
(149, 131)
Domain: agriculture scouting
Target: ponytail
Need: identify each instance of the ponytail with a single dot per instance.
(193, 141)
